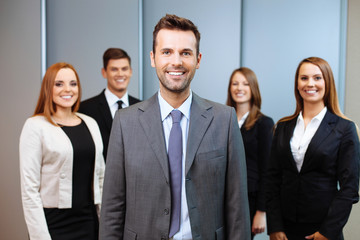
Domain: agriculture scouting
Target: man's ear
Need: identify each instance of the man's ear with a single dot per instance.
(152, 58)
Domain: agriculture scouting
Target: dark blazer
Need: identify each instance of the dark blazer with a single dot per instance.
(311, 195)
(257, 144)
(137, 196)
(98, 108)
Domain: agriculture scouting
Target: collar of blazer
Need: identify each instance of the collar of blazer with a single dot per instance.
(201, 116)
(325, 128)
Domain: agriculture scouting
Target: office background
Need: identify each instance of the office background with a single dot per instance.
(270, 37)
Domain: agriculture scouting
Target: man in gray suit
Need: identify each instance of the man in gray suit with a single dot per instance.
(145, 195)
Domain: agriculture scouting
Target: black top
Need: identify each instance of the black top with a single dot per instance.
(80, 222)
(97, 107)
(83, 163)
(257, 144)
(312, 196)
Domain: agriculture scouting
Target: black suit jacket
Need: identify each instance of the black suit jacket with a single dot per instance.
(312, 195)
(257, 143)
(98, 108)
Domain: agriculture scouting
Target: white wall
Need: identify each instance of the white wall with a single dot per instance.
(352, 99)
(20, 85)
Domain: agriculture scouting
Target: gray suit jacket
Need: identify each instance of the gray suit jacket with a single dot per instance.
(137, 196)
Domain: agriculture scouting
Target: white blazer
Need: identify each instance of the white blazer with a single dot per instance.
(46, 165)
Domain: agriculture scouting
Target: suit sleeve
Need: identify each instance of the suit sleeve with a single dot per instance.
(236, 199)
(264, 145)
(30, 149)
(272, 185)
(348, 178)
(113, 207)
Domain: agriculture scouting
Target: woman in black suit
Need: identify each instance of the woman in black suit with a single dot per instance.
(256, 130)
(313, 175)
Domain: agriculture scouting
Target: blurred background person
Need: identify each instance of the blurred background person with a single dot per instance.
(118, 72)
(256, 129)
(313, 175)
(61, 162)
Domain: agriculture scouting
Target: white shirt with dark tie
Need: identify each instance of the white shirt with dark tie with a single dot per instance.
(112, 100)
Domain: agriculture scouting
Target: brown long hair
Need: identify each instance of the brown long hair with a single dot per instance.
(330, 96)
(45, 105)
(173, 22)
(255, 101)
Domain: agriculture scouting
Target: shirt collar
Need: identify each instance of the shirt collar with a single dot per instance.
(112, 98)
(318, 117)
(166, 108)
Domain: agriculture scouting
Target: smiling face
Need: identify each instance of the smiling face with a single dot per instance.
(65, 89)
(240, 89)
(311, 84)
(175, 59)
(118, 73)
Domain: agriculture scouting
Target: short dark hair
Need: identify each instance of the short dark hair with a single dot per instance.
(114, 53)
(173, 22)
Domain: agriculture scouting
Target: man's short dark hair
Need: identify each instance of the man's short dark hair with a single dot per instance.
(173, 22)
(114, 53)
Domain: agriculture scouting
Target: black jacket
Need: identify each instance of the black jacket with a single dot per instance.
(312, 195)
(98, 108)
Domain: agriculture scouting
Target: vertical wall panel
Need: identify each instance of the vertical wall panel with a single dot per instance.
(278, 34)
(80, 31)
(20, 86)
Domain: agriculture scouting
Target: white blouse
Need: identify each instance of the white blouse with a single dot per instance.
(302, 136)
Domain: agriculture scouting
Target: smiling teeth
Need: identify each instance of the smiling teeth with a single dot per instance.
(66, 97)
(312, 91)
(175, 73)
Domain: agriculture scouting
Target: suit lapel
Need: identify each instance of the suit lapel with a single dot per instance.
(321, 134)
(150, 120)
(200, 119)
(288, 133)
(105, 110)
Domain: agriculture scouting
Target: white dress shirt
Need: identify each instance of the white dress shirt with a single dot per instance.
(112, 101)
(165, 110)
(242, 120)
(302, 136)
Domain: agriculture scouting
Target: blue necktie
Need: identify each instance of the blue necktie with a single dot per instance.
(175, 163)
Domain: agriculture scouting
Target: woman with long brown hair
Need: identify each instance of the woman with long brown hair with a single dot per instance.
(313, 175)
(256, 129)
(61, 162)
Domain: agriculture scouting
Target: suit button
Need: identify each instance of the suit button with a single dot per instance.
(63, 175)
(166, 211)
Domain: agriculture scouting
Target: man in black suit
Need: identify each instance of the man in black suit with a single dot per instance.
(117, 70)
